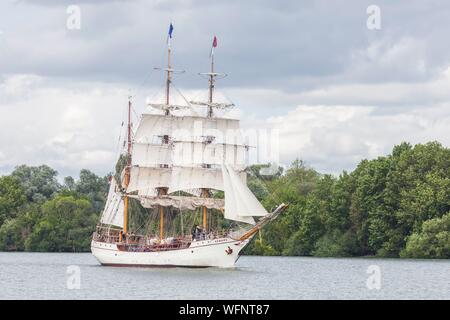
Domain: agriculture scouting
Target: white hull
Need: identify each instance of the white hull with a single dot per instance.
(205, 253)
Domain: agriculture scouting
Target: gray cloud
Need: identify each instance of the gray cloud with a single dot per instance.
(292, 46)
(337, 91)
(333, 138)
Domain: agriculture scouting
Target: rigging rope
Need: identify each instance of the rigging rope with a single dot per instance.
(139, 87)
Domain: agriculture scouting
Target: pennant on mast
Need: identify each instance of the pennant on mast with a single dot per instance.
(214, 45)
(169, 35)
(166, 107)
(212, 76)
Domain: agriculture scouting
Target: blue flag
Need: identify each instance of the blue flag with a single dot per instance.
(170, 30)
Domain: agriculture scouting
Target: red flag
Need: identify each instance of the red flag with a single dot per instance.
(214, 44)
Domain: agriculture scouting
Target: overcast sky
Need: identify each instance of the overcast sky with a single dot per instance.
(335, 90)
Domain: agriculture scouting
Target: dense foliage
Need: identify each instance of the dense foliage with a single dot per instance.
(393, 206)
(39, 214)
(397, 205)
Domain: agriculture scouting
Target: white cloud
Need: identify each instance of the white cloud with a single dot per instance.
(73, 125)
(67, 126)
(388, 94)
(402, 58)
(18, 85)
(333, 138)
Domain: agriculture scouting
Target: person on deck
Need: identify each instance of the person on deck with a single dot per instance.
(197, 233)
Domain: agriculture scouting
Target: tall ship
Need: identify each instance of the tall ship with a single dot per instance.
(182, 178)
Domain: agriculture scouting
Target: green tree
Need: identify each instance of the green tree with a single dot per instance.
(66, 225)
(285, 235)
(39, 183)
(431, 241)
(14, 231)
(95, 188)
(69, 183)
(395, 205)
(11, 197)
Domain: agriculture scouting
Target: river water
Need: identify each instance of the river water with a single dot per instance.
(79, 276)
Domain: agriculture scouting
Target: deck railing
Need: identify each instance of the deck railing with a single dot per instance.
(147, 243)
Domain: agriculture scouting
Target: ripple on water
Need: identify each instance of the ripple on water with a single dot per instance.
(44, 276)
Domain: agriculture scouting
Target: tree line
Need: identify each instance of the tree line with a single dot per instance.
(392, 206)
(37, 213)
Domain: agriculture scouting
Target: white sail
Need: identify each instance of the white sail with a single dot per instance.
(184, 153)
(186, 178)
(152, 127)
(231, 200)
(170, 152)
(145, 179)
(188, 154)
(246, 202)
(239, 200)
(151, 155)
(113, 212)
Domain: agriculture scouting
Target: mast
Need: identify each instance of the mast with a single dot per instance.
(212, 76)
(163, 191)
(205, 194)
(161, 222)
(127, 173)
(166, 106)
(168, 79)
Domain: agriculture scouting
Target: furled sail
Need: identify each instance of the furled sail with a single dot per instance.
(240, 203)
(181, 202)
(113, 212)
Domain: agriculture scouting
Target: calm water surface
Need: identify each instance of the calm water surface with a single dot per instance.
(44, 276)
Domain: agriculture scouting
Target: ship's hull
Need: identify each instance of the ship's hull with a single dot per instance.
(205, 253)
